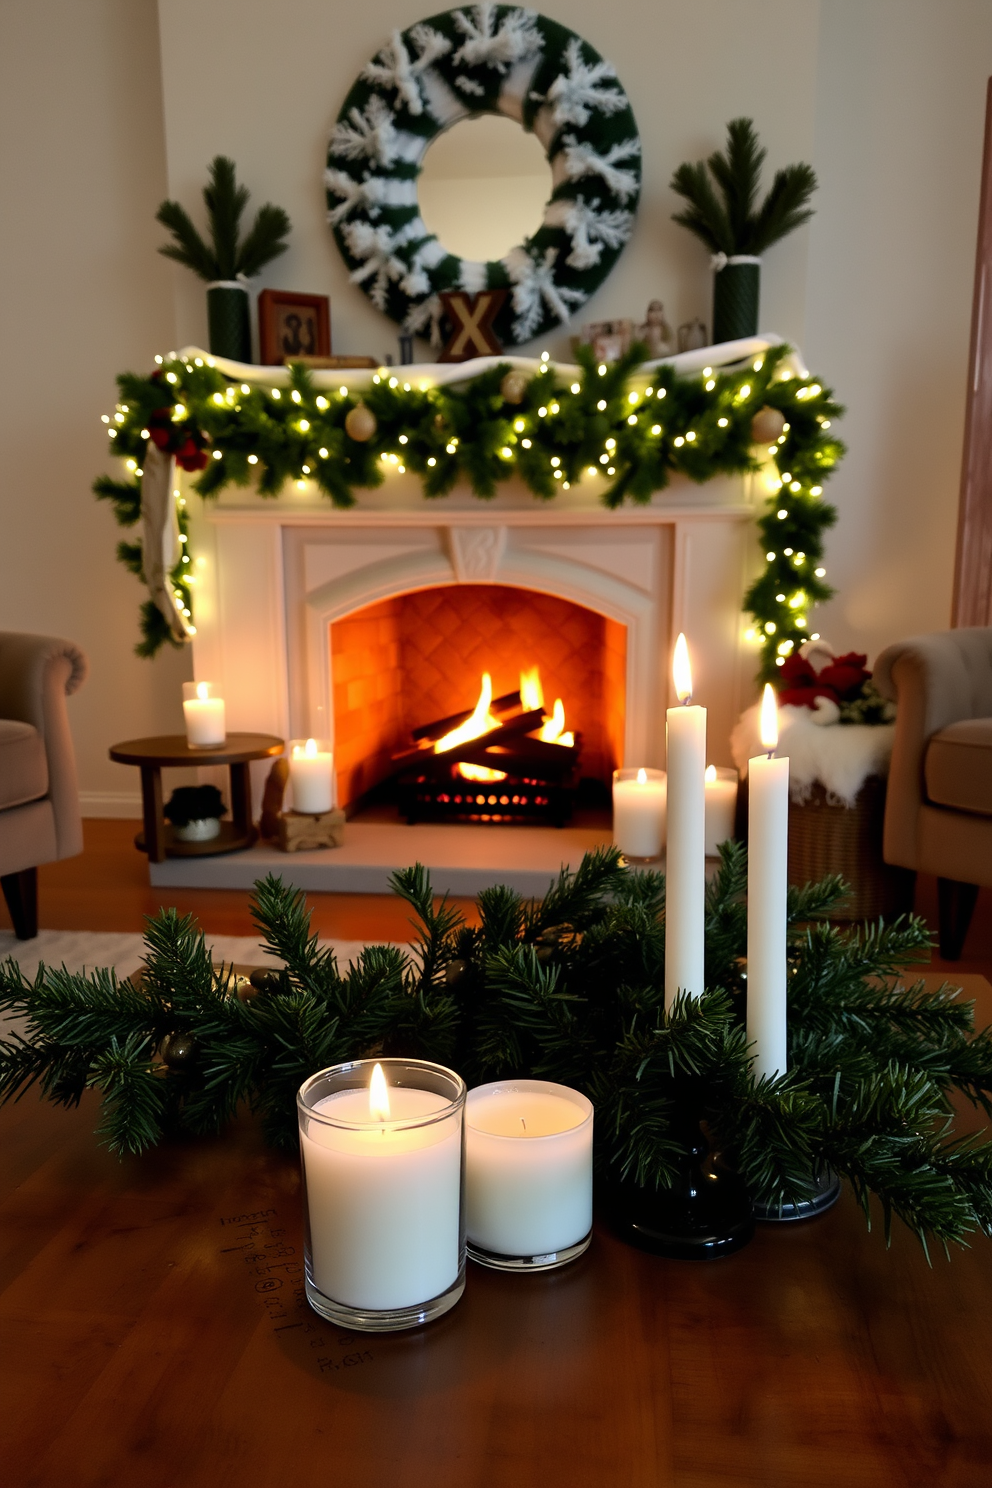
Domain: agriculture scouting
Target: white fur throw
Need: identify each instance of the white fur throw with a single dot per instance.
(841, 756)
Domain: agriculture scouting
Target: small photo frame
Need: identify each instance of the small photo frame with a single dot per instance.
(292, 325)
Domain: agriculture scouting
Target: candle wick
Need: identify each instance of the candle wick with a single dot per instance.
(523, 1123)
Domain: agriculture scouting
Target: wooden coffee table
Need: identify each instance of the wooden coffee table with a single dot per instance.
(157, 838)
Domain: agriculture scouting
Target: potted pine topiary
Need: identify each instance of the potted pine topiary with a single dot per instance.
(722, 193)
(195, 812)
(229, 260)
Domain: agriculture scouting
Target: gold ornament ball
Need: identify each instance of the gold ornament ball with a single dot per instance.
(767, 425)
(360, 423)
(178, 1050)
(513, 387)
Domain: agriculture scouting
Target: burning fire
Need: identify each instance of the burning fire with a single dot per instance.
(482, 722)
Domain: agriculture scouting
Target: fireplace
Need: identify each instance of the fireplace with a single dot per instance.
(404, 663)
(361, 625)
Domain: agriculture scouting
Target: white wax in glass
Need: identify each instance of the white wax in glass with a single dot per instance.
(639, 815)
(767, 889)
(528, 1167)
(721, 807)
(311, 779)
(685, 864)
(205, 724)
(383, 1201)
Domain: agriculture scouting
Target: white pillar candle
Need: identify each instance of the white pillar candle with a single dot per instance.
(685, 865)
(203, 715)
(767, 889)
(639, 812)
(528, 1172)
(311, 776)
(721, 807)
(383, 1170)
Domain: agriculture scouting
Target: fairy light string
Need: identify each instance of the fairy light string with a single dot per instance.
(628, 430)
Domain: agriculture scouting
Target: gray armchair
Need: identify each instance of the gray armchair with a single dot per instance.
(938, 811)
(39, 797)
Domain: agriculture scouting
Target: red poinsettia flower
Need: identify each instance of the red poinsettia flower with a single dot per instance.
(190, 456)
(799, 684)
(846, 675)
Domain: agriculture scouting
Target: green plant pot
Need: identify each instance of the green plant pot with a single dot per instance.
(227, 318)
(735, 301)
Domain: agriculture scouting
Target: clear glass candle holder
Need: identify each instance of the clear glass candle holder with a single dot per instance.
(311, 775)
(383, 1193)
(528, 1178)
(203, 714)
(640, 810)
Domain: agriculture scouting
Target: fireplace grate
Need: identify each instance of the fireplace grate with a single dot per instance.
(429, 797)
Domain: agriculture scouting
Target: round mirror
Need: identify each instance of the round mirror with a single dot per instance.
(483, 187)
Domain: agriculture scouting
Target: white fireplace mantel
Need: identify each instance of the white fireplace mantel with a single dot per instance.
(272, 575)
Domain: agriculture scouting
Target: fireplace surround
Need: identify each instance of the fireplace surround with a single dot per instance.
(289, 594)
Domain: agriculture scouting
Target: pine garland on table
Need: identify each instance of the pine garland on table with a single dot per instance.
(569, 988)
(636, 428)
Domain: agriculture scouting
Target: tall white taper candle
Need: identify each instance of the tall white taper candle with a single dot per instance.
(767, 888)
(685, 867)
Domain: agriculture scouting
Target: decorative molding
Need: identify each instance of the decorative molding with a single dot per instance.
(972, 603)
(476, 553)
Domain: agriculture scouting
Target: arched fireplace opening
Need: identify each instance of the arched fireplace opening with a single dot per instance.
(407, 662)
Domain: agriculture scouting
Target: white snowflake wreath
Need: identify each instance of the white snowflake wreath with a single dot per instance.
(484, 59)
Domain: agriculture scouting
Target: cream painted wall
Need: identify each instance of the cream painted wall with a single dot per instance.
(83, 295)
(884, 96)
(898, 145)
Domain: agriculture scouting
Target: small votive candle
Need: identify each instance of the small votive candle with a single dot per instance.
(639, 808)
(203, 713)
(528, 1174)
(721, 807)
(382, 1152)
(311, 775)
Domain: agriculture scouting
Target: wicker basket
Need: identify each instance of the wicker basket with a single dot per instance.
(826, 838)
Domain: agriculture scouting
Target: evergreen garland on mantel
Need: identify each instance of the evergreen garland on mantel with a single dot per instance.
(570, 988)
(635, 428)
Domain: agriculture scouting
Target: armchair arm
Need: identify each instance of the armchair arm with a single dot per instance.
(936, 680)
(36, 674)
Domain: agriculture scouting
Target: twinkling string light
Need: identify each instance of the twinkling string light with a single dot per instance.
(563, 428)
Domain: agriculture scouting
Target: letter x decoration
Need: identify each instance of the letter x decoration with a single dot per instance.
(471, 317)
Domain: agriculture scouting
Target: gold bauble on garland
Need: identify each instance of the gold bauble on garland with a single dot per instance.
(513, 387)
(767, 425)
(360, 423)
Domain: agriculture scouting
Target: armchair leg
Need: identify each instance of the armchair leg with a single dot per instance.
(955, 902)
(21, 893)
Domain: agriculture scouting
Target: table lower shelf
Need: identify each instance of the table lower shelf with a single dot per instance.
(228, 840)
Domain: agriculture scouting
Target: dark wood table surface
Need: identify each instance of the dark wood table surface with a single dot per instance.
(153, 1336)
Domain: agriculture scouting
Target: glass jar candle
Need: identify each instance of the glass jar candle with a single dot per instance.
(382, 1151)
(528, 1181)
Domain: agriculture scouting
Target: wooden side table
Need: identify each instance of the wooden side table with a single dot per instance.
(172, 751)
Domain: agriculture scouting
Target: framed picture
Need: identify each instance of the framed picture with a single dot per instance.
(292, 325)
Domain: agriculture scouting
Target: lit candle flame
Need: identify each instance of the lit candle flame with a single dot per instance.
(311, 748)
(681, 671)
(378, 1095)
(642, 777)
(203, 691)
(768, 727)
(709, 774)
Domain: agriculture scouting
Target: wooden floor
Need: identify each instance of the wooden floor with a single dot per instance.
(107, 888)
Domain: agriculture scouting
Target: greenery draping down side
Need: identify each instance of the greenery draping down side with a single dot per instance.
(635, 429)
(570, 988)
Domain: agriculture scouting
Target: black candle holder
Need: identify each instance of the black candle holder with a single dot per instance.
(827, 1186)
(706, 1213)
